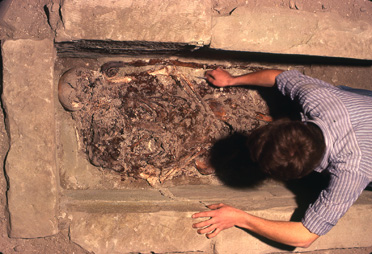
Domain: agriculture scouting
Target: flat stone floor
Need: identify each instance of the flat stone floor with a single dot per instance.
(131, 221)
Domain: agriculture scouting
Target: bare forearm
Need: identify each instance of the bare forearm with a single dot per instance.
(286, 232)
(222, 78)
(222, 216)
(265, 78)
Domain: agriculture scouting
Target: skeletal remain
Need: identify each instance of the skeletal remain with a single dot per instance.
(203, 167)
(112, 73)
(68, 86)
(167, 70)
(218, 109)
(150, 174)
(154, 125)
(126, 79)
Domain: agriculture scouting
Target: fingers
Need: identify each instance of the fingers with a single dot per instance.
(219, 77)
(208, 213)
(202, 214)
(216, 206)
(214, 233)
(210, 77)
(202, 224)
(210, 226)
(208, 229)
(211, 74)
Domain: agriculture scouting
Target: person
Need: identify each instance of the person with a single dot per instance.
(333, 136)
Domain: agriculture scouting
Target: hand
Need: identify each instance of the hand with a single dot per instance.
(219, 77)
(221, 217)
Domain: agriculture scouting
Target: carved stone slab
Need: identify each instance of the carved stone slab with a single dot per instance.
(31, 161)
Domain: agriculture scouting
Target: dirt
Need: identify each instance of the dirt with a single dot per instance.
(143, 119)
(25, 14)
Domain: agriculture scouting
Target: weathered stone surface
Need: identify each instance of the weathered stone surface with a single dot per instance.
(237, 241)
(24, 20)
(30, 164)
(249, 199)
(292, 32)
(131, 20)
(160, 232)
(352, 230)
(123, 222)
(74, 169)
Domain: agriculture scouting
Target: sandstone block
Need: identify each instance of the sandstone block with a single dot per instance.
(24, 20)
(130, 20)
(292, 32)
(159, 232)
(30, 164)
(130, 222)
(352, 230)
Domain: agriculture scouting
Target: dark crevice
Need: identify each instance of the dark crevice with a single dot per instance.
(95, 48)
(6, 208)
(60, 15)
(272, 58)
(47, 13)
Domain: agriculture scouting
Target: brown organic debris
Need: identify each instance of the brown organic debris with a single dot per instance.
(153, 124)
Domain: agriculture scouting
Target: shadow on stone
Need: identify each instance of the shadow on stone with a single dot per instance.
(230, 158)
(271, 58)
(306, 191)
(230, 155)
(274, 244)
(279, 105)
(231, 161)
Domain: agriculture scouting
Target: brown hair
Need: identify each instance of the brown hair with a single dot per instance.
(286, 149)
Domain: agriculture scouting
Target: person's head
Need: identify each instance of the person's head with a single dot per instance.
(286, 149)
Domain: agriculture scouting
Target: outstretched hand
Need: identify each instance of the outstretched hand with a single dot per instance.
(219, 77)
(221, 217)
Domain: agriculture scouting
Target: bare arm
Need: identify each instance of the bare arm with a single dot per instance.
(222, 78)
(223, 217)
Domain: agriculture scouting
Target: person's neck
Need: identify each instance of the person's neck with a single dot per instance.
(319, 136)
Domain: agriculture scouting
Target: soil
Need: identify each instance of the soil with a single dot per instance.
(27, 16)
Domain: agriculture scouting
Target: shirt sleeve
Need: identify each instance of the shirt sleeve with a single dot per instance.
(334, 202)
(322, 101)
(314, 96)
(290, 83)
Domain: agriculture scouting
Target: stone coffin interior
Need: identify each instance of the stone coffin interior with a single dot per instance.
(141, 120)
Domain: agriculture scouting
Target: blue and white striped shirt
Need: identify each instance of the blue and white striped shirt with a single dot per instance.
(345, 119)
